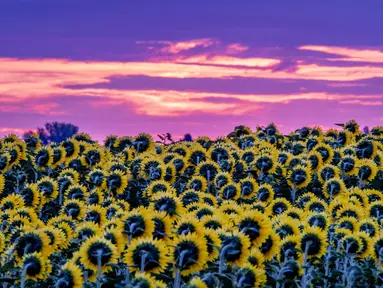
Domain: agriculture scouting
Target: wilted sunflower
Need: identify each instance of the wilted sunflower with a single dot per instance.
(255, 226)
(97, 251)
(189, 253)
(147, 255)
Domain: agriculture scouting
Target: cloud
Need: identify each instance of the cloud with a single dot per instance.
(173, 47)
(348, 54)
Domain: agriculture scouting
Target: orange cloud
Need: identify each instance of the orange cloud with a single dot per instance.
(366, 55)
(231, 61)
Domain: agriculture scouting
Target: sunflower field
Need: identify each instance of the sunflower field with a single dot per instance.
(252, 209)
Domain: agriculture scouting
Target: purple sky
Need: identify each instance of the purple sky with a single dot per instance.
(203, 67)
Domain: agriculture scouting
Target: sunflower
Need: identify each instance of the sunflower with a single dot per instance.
(351, 244)
(189, 197)
(58, 156)
(187, 225)
(34, 266)
(366, 170)
(208, 170)
(221, 179)
(313, 242)
(202, 210)
(333, 187)
(375, 209)
(72, 149)
(167, 202)
(369, 226)
(74, 208)
(43, 158)
(278, 206)
(137, 223)
(290, 249)
(348, 165)
(366, 149)
(349, 223)
(97, 178)
(98, 251)
(248, 275)
(248, 188)
(197, 183)
(48, 189)
(208, 198)
(95, 197)
(256, 258)
(12, 201)
(234, 247)
(315, 219)
(299, 177)
(269, 247)
(327, 172)
(96, 214)
(351, 210)
(30, 242)
(316, 205)
(5, 159)
(366, 241)
(147, 281)
(117, 182)
(214, 222)
(325, 151)
(285, 226)
(265, 193)
(373, 195)
(70, 276)
(294, 213)
(162, 226)
(93, 155)
(56, 237)
(266, 163)
(315, 160)
(255, 226)
(14, 152)
(189, 253)
(76, 191)
(230, 191)
(147, 255)
(114, 236)
(87, 230)
(196, 282)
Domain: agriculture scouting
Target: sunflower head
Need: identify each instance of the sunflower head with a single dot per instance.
(313, 242)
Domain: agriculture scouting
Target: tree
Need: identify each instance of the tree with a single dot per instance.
(54, 132)
(187, 138)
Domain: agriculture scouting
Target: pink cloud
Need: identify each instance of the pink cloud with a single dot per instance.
(365, 55)
(177, 47)
(360, 102)
(236, 48)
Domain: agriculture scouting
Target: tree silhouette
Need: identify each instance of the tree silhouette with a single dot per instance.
(54, 132)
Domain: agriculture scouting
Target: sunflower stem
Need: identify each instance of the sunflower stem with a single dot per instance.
(98, 281)
(143, 259)
(294, 193)
(304, 276)
(177, 279)
(127, 276)
(138, 148)
(208, 180)
(24, 275)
